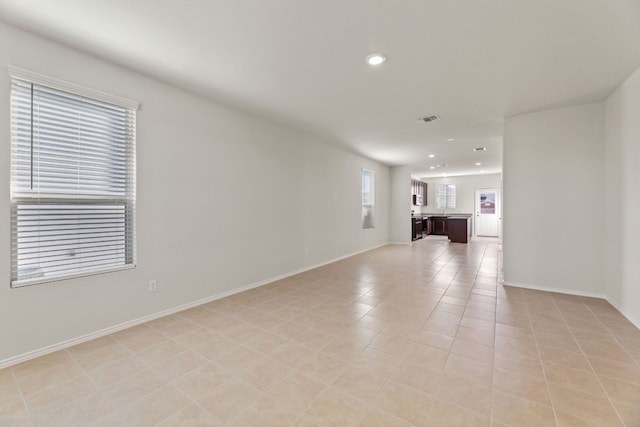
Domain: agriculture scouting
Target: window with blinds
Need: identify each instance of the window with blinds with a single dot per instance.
(445, 196)
(368, 199)
(72, 184)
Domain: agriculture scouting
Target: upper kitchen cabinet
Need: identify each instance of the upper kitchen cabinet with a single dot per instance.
(418, 193)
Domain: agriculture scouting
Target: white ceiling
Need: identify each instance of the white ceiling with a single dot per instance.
(302, 62)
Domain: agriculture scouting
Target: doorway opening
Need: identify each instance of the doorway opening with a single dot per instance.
(488, 212)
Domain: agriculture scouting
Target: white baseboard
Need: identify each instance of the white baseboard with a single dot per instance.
(577, 293)
(617, 307)
(119, 327)
(556, 290)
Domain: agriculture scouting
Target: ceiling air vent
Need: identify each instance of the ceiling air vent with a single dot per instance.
(428, 119)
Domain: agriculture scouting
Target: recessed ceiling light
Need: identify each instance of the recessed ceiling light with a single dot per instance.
(432, 167)
(451, 139)
(480, 149)
(432, 155)
(376, 59)
(478, 163)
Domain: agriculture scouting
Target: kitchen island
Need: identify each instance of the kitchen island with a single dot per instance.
(456, 226)
(459, 228)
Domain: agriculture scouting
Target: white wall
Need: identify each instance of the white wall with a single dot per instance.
(225, 200)
(553, 209)
(622, 179)
(401, 205)
(466, 187)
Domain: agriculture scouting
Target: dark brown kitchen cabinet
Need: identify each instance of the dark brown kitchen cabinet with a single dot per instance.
(459, 229)
(418, 193)
(438, 225)
(416, 228)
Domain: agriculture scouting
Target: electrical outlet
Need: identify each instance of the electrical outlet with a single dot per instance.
(153, 286)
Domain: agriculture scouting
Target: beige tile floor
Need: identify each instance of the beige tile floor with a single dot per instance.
(399, 336)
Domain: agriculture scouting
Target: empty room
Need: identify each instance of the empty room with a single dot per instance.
(320, 213)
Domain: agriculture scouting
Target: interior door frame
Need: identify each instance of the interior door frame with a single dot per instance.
(476, 209)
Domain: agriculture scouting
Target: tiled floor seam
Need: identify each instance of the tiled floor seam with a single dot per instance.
(449, 352)
(263, 393)
(624, 348)
(493, 367)
(390, 376)
(167, 382)
(544, 371)
(370, 406)
(24, 400)
(170, 383)
(591, 366)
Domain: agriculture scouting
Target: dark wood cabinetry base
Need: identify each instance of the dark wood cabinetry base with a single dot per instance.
(439, 225)
(456, 227)
(416, 228)
(459, 229)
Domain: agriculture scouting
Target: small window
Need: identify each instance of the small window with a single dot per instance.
(72, 184)
(445, 196)
(368, 198)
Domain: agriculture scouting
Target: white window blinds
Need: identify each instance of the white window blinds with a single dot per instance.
(445, 196)
(368, 198)
(72, 184)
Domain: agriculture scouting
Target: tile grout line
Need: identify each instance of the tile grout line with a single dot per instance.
(263, 393)
(23, 399)
(395, 368)
(435, 394)
(134, 353)
(454, 338)
(624, 348)
(389, 377)
(544, 371)
(493, 359)
(591, 366)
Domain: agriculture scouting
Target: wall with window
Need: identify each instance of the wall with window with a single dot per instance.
(72, 181)
(225, 200)
(465, 191)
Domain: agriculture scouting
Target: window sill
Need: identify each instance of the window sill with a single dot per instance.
(41, 280)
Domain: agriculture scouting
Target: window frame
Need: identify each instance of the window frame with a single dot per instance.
(368, 209)
(73, 199)
(449, 195)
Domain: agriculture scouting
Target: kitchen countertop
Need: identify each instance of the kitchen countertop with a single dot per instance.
(448, 215)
